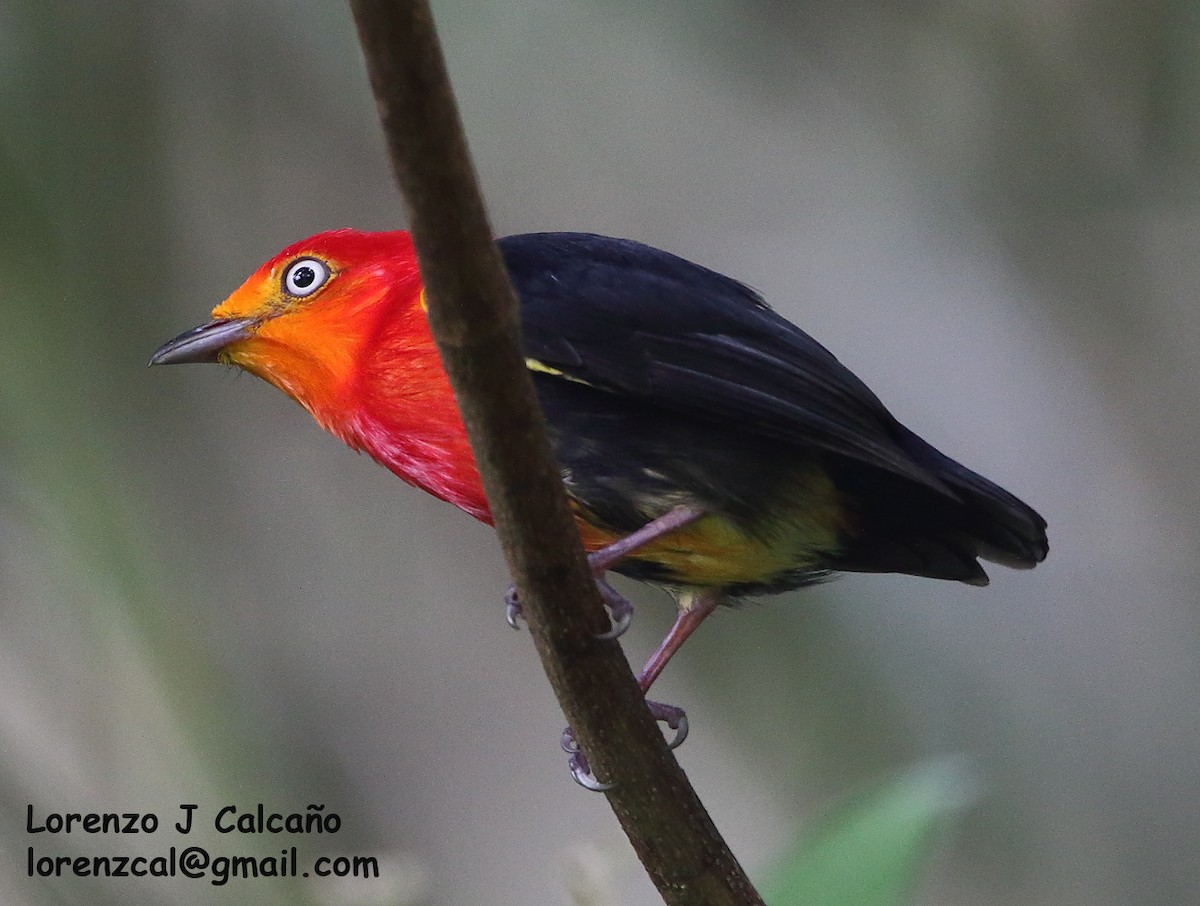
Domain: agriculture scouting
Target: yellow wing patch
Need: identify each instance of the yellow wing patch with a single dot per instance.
(542, 368)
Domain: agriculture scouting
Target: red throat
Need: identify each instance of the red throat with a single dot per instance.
(405, 415)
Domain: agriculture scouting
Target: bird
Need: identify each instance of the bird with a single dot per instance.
(706, 444)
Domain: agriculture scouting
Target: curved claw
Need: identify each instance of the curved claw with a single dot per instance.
(681, 732)
(582, 774)
(512, 608)
(569, 744)
(619, 624)
(674, 717)
(619, 610)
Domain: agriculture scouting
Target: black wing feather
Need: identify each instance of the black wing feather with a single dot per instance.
(631, 319)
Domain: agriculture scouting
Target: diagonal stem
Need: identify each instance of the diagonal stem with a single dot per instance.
(474, 318)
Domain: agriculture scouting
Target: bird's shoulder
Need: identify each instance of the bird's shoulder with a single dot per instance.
(590, 302)
(592, 287)
(631, 319)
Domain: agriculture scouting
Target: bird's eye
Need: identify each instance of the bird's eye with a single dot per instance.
(304, 277)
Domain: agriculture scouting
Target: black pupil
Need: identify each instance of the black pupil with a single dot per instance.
(303, 277)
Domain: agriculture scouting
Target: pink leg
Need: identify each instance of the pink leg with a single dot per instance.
(689, 619)
(704, 603)
(605, 558)
(602, 560)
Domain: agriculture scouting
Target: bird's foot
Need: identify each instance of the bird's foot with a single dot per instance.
(577, 764)
(512, 608)
(674, 717)
(620, 611)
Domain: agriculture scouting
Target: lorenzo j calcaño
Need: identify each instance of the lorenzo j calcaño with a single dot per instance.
(727, 451)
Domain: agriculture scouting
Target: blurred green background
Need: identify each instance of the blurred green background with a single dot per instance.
(989, 211)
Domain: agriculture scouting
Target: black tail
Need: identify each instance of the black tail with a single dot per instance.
(908, 528)
(1009, 531)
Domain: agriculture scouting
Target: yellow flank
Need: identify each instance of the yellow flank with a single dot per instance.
(716, 552)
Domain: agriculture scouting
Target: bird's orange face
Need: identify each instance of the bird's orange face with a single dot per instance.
(307, 318)
(310, 312)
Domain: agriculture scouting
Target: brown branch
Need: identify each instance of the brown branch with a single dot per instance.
(474, 316)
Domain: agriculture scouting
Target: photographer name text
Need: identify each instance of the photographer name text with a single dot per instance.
(228, 820)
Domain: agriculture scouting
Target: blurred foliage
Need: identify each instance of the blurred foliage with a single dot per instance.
(870, 851)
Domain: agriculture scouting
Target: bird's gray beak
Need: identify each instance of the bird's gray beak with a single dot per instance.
(203, 343)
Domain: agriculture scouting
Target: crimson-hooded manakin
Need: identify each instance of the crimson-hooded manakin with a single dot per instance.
(706, 444)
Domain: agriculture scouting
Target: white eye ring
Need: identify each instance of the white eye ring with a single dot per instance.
(305, 276)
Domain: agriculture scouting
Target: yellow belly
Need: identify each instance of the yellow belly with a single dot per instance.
(713, 551)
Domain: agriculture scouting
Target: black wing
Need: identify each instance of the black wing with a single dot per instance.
(630, 319)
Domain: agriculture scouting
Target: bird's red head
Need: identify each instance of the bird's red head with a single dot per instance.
(338, 322)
